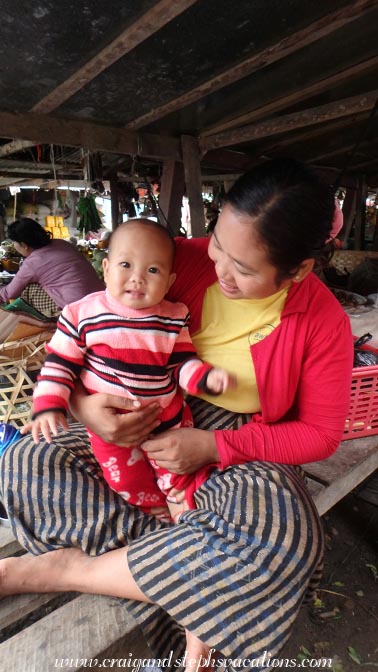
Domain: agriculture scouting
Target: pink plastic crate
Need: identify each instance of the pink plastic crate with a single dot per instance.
(363, 411)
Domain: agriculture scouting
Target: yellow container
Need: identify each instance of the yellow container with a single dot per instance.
(64, 232)
(50, 220)
(59, 221)
(56, 232)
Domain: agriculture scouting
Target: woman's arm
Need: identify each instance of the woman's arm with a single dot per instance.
(314, 425)
(115, 419)
(24, 276)
(311, 430)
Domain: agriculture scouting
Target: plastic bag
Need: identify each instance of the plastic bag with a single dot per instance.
(364, 357)
(8, 435)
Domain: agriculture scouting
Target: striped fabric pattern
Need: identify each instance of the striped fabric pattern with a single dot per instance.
(234, 571)
(57, 497)
(135, 353)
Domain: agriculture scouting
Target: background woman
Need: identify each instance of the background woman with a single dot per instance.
(234, 571)
(53, 273)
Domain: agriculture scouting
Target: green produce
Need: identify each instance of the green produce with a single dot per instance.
(89, 218)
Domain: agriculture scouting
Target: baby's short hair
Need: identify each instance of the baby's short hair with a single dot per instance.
(144, 221)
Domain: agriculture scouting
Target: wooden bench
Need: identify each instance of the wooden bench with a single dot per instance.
(90, 628)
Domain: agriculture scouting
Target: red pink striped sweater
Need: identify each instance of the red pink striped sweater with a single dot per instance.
(144, 353)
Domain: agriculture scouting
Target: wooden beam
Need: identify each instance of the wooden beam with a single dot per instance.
(221, 178)
(28, 166)
(227, 159)
(315, 31)
(296, 97)
(15, 146)
(46, 183)
(312, 133)
(148, 24)
(362, 148)
(192, 169)
(335, 152)
(7, 181)
(42, 128)
(170, 197)
(289, 122)
(363, 164)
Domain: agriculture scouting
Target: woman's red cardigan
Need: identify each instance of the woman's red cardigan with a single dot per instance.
(303, 368)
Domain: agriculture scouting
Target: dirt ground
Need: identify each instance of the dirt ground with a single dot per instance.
(342, 622)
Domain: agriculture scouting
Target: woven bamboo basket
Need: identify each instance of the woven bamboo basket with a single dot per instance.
(16, 392)
(29, 350)
(348, 260)
(19, 363)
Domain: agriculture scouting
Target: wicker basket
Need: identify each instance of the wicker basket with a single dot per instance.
(348, 260)
(19, 362)
(16, 392)
(30, 351)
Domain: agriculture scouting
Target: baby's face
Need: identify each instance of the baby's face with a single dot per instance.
(137, 271)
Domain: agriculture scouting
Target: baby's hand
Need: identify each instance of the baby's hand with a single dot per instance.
(219, 380)
(46, 424)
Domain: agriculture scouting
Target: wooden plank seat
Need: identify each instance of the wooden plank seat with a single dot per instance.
(44, 632)
(332, 479)
(88, 628)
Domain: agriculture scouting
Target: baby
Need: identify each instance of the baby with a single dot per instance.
(129, 341)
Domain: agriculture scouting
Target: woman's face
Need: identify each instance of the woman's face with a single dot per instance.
(21, 248)
(241, 261)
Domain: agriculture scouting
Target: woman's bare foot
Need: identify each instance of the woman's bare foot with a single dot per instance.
(70, 569)
(199, 656)
(55, 571)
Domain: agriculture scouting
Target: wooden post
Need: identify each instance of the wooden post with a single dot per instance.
(375, 234)
(349, 210)
(171, 193)
(227, 184)
(114, 201)
(192, 169)
(359, 226)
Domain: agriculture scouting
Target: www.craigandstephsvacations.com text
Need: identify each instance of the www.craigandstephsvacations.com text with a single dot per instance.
(212, 661)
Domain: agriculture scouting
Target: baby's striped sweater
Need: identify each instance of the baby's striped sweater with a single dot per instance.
(144, 353)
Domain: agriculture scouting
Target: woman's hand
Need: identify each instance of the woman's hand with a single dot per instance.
(114, 419)
(182, 451)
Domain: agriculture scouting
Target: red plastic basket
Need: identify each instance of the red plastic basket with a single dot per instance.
(362, 418)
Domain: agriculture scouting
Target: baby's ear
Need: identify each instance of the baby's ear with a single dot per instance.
(105, 264)
(171, 280)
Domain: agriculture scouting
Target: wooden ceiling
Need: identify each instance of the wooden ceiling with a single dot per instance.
(129, 79)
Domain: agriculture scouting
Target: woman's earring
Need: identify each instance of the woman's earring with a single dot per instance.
(297, 277)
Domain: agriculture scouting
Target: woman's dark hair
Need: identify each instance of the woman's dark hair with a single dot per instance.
(292, 208)
(28, 231)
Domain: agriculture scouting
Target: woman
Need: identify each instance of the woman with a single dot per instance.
(53, 273)
(234, 571)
